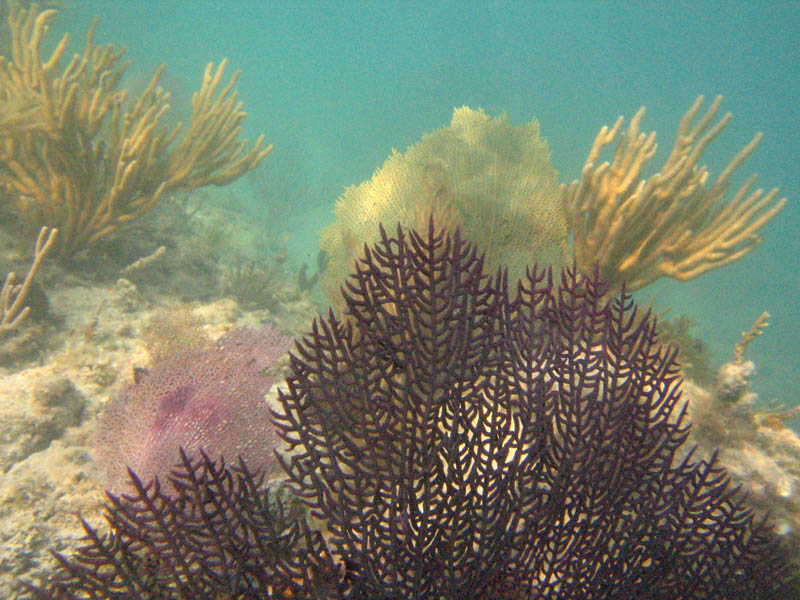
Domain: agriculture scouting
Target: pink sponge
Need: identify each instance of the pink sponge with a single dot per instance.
(210, 399)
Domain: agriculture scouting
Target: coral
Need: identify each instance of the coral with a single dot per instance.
(304, 282)
(482, 174)
(733, 379)
(13, 295)
(254, 286)
(457, 443)
(171, 331)
(733, 382)
(673, 224)
(733, 387)
(75, 155)
(225, 536)
(210, 398)
(756, 329)
(144, 261)
(460, 442)
(759, 452)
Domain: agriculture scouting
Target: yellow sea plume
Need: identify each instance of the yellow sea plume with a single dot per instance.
(75, 155)
(13, 295)
(491, 179)
(676, 223)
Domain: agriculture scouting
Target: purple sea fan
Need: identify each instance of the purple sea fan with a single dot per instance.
(210, 399)
(220, 533)
(465, 441)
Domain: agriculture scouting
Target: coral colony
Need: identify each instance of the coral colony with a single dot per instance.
(209, 397)
(108, 161)
(456, 439)
(463, 429)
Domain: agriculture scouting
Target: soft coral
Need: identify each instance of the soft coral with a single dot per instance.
(210, 398)
(459, 442)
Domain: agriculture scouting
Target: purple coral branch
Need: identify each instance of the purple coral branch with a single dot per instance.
(459, 440)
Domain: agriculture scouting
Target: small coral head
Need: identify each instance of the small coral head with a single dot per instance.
(210, 399)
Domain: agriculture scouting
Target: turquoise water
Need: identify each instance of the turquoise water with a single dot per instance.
(342, 83)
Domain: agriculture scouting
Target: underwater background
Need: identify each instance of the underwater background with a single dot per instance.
(335, 86)
(184, 270)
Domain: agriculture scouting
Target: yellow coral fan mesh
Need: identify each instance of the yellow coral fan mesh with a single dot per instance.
(488, 177)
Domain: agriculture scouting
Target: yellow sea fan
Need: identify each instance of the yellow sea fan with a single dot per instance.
(484, 175)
